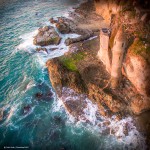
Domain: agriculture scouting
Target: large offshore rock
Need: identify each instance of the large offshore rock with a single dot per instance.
(47, 36)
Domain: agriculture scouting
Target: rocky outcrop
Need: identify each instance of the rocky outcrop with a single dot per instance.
(41, 49)
(135, 60)
(112, 69)
(78, 39)
(137, 67)
(113, 90)
(62, 27)
(46, 36)
(84, 73)
(61, 76)
(106, 8)
(133, 16)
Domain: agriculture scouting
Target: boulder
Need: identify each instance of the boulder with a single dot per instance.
(41, 49)
(63, 27)
(47, 36)
(52, 21)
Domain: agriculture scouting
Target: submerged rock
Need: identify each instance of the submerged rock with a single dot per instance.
(26, 109)
(41, 49)
(52, 49)
(49, 94)
(38, 95)
(44, 97)
(1, 114)
(58, 119)
(47, 36)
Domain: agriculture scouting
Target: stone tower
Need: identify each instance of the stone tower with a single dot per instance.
(103, 53)
(117, 57)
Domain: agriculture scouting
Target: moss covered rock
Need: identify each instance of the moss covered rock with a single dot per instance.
(47, 36)
(70, 62)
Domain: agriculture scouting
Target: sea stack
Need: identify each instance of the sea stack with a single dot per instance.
(117, 57)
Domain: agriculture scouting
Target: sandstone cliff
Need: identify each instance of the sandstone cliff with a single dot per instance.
(113, 66)
(134, 17)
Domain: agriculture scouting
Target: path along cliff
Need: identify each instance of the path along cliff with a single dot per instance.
(109, 62)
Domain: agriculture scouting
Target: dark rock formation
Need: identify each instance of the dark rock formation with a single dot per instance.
(38, 95)
(26, 109)
(1, 114)
(41, 49)
(79, 39)
(63, 27)
(58, 119)
(44, 96)
(53, 21)
(47, 36)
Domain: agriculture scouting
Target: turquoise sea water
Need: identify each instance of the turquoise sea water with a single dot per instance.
(23, 75)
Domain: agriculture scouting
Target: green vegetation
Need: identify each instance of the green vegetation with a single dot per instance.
(70, 62)
(126, 5)
(132, 14)
(139, 47)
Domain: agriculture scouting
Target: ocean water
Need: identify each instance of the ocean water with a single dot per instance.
(44, 124)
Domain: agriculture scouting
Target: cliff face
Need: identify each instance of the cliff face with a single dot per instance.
(134, 17)
(110, 67)
(113, 66)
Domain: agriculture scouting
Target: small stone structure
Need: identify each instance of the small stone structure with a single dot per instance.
(112, 59)
(103, 53)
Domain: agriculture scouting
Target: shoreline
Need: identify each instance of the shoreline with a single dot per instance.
(82, 71)
(58, 62)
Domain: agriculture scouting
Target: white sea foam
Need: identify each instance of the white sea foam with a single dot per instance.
(57, 105)
(91, 38)
(95, 122)
(42, 56)
(30, 85)
(90, 112)
(27, 40)
(11, 112)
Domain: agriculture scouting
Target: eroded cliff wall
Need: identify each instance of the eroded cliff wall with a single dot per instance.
(134, 17)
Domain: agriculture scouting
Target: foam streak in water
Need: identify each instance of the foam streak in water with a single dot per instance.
(124, 130)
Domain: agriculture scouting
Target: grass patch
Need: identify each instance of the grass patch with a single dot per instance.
(70, 62)
(140, 47)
